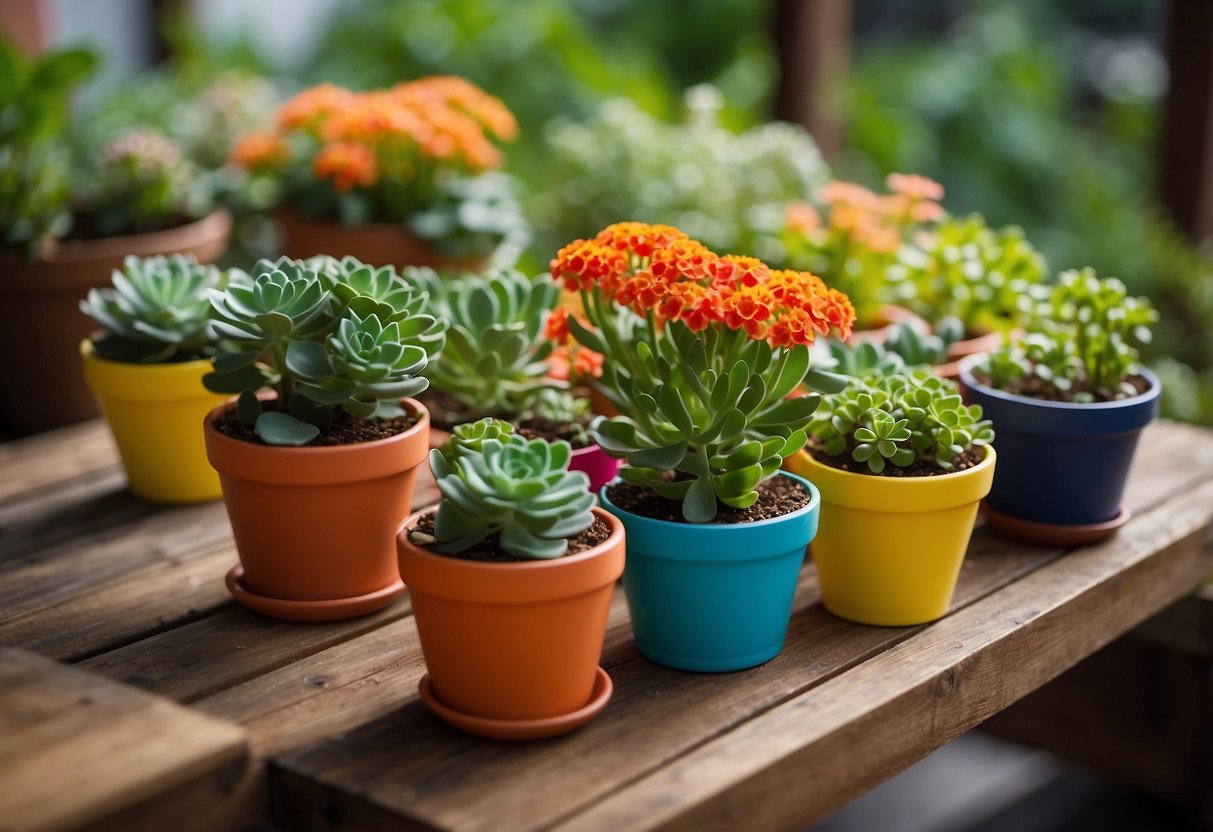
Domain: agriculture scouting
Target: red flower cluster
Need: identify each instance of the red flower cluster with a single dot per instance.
(658, 271)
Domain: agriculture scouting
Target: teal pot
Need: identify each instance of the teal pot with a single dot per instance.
(714, 597)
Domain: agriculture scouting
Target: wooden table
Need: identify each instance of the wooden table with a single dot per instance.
(157, 702)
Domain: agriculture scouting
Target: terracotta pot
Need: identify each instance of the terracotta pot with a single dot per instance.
(376, 243)
(41, 325)
(960, 350)
(890, 316)
(509, 643)
(154, 412)
(314, 527)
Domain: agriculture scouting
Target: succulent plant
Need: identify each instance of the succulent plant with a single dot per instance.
(157, 310)
(898, 419)
(298, 330)
(905, 347)
(493, 482)
(1080, 341)
(563, 409)
(495, 345)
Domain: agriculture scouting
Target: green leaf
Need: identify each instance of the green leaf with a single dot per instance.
(663, 459)
(246, 378)
(699, 504)
(248, 407)
(308, 360)
(276, 428)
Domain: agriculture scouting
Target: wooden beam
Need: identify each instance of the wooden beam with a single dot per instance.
(813, 40)
(1186, 165)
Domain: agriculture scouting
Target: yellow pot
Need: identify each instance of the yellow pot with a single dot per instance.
(888, 549)
(155, 413)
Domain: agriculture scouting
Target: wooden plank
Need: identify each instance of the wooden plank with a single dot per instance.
(812, 46)
(1186, 147)
(52, 458)
(792, 765)
(76, 749)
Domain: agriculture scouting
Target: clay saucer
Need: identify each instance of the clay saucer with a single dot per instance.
(335, 609)
(521, 729)
(1055, 534)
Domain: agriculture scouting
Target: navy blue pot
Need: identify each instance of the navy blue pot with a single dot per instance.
(1061, 463)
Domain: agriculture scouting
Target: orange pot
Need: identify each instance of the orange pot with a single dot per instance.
(41, 325)
(376, 243)
(513, 642)
(314, 527)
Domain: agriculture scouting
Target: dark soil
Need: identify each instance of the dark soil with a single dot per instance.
(919, 468)
(551, 431)
(422, 536)
(84, 227)
(1035, 388)
(345, 429)
(776, 497)
(446, 411)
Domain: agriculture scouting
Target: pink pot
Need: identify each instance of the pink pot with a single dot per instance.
(599, 467)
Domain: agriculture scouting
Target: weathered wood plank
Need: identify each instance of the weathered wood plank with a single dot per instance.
(792, 765)
(51, 458)
(76, 749)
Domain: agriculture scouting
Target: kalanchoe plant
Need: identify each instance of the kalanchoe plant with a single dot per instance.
(322, 334)
(494, 482)
(898, 419)
(157, 310)
(496, 347)
(702, 353)
(1081, 341)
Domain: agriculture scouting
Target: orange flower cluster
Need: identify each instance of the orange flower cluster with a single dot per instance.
(440, 121)
(260, 152)
(569, 361)
(658, 271)
(876, 221)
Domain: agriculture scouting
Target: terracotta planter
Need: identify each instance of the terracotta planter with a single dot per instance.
(960, 350)
(512, 649)
(377, 243)
(41, 325)
(890, 316)
(315, 527)
(154, 412)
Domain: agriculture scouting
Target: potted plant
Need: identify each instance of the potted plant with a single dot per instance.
(901, 464)
(904, 346)
(511, 581)
(404, 176)
(317, 457)
(1069, 400)
(146, 365)
(701, 355)
(67, 220)
(496, 362)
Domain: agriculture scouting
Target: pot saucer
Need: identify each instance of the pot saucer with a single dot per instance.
(1055, 534)
(521, 729)
(334, 609)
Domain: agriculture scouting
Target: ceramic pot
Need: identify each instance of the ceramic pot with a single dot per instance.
(512, 645)
(155, 413)
(714, 597)
(315, 527)
(376, 243)
(1064, 464)
(596, 464)
(41, 325)
(889, 549)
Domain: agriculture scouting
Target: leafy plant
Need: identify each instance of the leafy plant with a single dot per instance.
(966, 270)
(898, 419)
(564, 410)
(1081, 341)
(495, 345)
(493, 482)
(322, 334)
(702, 353)
(904, 347)
(157, 310)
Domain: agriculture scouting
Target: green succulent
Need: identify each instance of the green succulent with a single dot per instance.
(905, 347)
(1081, 339)
(157, 310)
(564, 409)
(899, 419)
(295, 327)
(495, 346)
(504, 485)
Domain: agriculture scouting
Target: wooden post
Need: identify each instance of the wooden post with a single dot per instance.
(1186, 169)
(812, 39)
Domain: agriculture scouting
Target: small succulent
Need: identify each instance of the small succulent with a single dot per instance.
(899, 419)
(1081, 339)
(157, 310)
(495, 345)
(322, 336)
(905, 347)
(493, 482)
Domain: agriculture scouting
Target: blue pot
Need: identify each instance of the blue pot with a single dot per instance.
(1059, 462)
(714, 597)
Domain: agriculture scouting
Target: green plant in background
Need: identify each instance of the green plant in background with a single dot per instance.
(966, 270)
(904, 347)
(471, 216)
(294, 327)
(898, 419)
(496, 348)
(493, 482)
(719, 186)
(568, 414)
(35, 177)
(157, 311)
(1081, 341)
